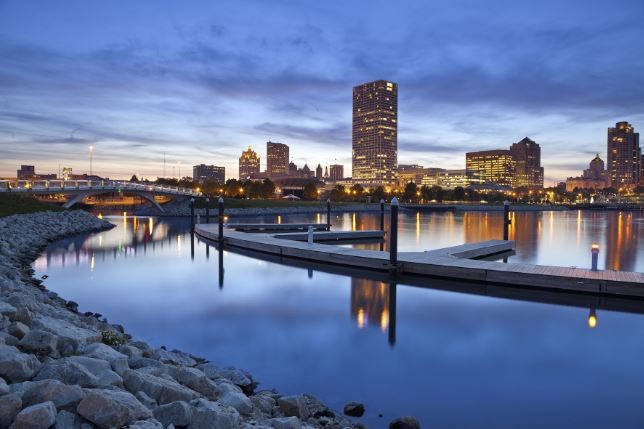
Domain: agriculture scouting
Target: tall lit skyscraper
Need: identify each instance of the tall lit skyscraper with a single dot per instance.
(276, 159)
(375, 133)
(491, 166)
(527, 164)
(624, 156)
(248, 164)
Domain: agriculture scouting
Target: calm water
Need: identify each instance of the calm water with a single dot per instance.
(454, 360)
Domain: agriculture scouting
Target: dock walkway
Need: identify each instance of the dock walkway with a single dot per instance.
(458, 262)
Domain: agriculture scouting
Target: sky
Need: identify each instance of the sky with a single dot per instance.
(200, 81)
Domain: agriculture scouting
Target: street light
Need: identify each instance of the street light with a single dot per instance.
(91, 151)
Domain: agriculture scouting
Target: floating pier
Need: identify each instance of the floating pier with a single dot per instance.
(457, 263)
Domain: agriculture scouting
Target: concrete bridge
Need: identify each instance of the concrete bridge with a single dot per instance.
(77, 190)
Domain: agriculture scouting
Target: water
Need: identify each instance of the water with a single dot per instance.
(454, 360)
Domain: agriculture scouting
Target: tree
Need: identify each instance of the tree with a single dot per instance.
(338, 193)
(458, 194)
(134, 179)
(357, 190)
(267, 189)
(378, 194)
(410, 192)
(310, 191)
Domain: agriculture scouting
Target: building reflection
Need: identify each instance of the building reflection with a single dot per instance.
(373, 303)
(621, 242)
(525, 228)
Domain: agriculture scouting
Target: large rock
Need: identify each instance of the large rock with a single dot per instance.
(174, 357)
(71, 338)
(117, 360)
(130, 351)
(162, 390)
(240, 378)
(100, 368)
(8, 310)
(196, 380)
(68, 372)
(68, 420)
(39, 416)
(4, 388)
(406, 422)
(177, 413)
(39, 341)
(212, 415)
(146, 424)
(62, 395)
(17, 366)
(146, 400)
(18, 330)
(112, 408)
(232, 395)
(354, 409)
(294, 406)
(263, 402)
(285, 423)
(10, 406)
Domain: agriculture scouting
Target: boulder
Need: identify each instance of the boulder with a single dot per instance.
(406, 422)
(130, 351)
(146, 400)
(68, 372)
(285, 423)
(232, 396)
(62, 395)
(196, 380)
(17, 366)
(39, 341)
(174, 357)
(4, 387)
(100, 368)
(117, 360)
(294, 406)
(111, 408)
(18, 330)
(240, 378)
(212, 415)
(147, 424)
(162, 390)
(10, 406)
(177, 413)
(8, 310)
(263, 402)
(68, 420)
(211, 370)
(70, 336)
(39, 416)
(354, 409)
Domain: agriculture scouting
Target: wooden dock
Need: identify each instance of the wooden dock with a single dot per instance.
(456, 263)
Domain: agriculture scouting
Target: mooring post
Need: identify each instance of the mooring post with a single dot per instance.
(328, 214)
(221, 265)
(192, 214)
(310, 234)
(594, 250)
(393, 226)
(382, 214)
(207, 210)
(192, 246)
(506, 220)
(220, 202)
(392, 313)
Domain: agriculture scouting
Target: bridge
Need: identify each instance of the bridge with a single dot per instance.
(77, 190)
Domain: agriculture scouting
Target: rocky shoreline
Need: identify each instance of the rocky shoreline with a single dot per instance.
(65, 369)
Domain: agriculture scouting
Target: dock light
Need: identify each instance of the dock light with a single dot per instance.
(124, 214)
(592, 319)
(594, 250)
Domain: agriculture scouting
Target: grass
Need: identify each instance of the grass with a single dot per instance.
(17, 204)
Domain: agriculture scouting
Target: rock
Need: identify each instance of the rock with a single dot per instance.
(285, 423)
(146, 400)
(68, 372)
(354, 409)
(62, 395)
(67, 420)
(10, 406)
(232, 395)
(240, 378)
(146, 424)
(196, 380)
(294, 406)
(17, 366)
(20, 388)
(162, 390)
(100, 368)
(18, 330)
(211, 370)
(8, 310)
(4, 388)
(39, 342)
(130, 351)
(118, 361)
(143, 362)
(177, 413)
(263, 402)
(213, 415)
(112, 408)
(406, 422)
(39, 416)
(9, 340)
(70, 336)
(174, 357)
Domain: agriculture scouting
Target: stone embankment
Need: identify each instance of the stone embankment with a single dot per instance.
(65, 369)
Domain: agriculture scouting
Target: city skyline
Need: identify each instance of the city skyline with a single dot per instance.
(200, 83)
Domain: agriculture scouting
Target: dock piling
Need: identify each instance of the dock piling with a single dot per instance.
(192, 214)
(506, 220)
(207, 210)
(393, 240)
(328, 214)
(382, 214)
(594, 250)
(310, 235)
(220, 202)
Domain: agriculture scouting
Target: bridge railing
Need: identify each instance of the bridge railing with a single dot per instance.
(30, 186)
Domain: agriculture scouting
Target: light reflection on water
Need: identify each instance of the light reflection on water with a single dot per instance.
(452, 359)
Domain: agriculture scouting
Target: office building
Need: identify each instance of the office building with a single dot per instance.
(375, 133)
(528, 172)
(594, 177)
(336, 172)
(248, 164)
(491, 166)
(624, 156)
(202, 173)
(26, 172)
(318, 172)
(276, 159)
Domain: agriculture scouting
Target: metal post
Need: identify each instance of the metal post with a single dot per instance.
(393, 240)
(192, 246)
(328, 214)
(506, 220)
(392, 313)
(382, 214)
(221, 265)
(594, 250)
(192, 214)
(310, 235)
(220, 202)
(207, 210)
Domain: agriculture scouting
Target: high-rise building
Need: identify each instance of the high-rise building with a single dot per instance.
(375, 133)
(318, 172)
(491, 166)
(276, 159)
(624, 156)
(336, 172)
(248, 164)
(26, 172)
(203, 172)
(528, 172)
(594, 177)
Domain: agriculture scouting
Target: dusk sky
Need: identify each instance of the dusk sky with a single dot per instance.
(203, 80)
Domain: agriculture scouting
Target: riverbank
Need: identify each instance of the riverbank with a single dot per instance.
(63, 367)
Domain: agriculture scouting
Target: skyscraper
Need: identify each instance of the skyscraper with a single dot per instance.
(375, 132)
(336, 172)
(248, 164)
(528, 172)
(491, 166)
(624, 156)
(202, 173)
(318, 172)
(276, 159)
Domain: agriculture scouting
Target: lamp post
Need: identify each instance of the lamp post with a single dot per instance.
(91, 151)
